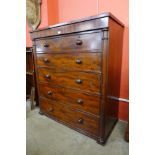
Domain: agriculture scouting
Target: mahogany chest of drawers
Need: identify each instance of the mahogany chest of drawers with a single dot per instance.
(78, 67)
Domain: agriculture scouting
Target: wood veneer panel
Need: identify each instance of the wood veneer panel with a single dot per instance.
(73, 79)
(71, 61)
(76, 99)
(113, 75)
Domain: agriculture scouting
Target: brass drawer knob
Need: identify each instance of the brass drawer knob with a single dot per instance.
(46, 60)
(80, 101)
(78, 61)
(79, 42)
(46, 45)
(50, 110)
(49, 93)
(47, 76)
(78, 81)
(80, 121)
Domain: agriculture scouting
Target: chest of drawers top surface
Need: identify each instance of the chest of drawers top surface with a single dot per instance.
(89, 23)
(72, 73)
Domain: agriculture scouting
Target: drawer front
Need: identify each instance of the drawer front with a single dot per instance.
(79, 80)
(75, 99)
(81, 42)
(73, 61)
(65, 114)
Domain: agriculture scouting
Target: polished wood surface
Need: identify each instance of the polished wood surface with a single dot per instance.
(89, 41)
(71, 61)
(76, 99)
(78, 67)
(90, 18)
(76, 27)
(80, 25)
(68, 115)
(114, 52)
(73, 79)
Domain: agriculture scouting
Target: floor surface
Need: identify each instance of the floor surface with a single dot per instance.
(47, 137)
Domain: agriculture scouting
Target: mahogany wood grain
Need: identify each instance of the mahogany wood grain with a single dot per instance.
(78, 67)
(76, 99)
(113, 53)
(75, 27)
(102, 15)
(91, 41)
(73, 61)
(68, 115)
(89, 82)
(85, 24)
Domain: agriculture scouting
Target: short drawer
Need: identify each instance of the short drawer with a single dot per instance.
(77, 80)
(70, 43)
(66, 115)
(76, 99)
(72, 61)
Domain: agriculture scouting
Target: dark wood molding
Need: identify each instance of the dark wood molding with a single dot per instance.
(102, 15)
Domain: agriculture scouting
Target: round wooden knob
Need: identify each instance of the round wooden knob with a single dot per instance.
(78, 61)
(79, 42)
(46, 45)
(49, 93)
(47, 76)
(78, 81)
(46, 60)
(80, 101)
(50, 110)
(80, 121)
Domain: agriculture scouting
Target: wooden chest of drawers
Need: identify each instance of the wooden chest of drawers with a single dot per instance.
(78, 67)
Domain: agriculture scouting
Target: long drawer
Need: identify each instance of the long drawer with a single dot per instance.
(72, 61)
(76, 99)
(91, 41)
(74, 118)
(79, 80)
